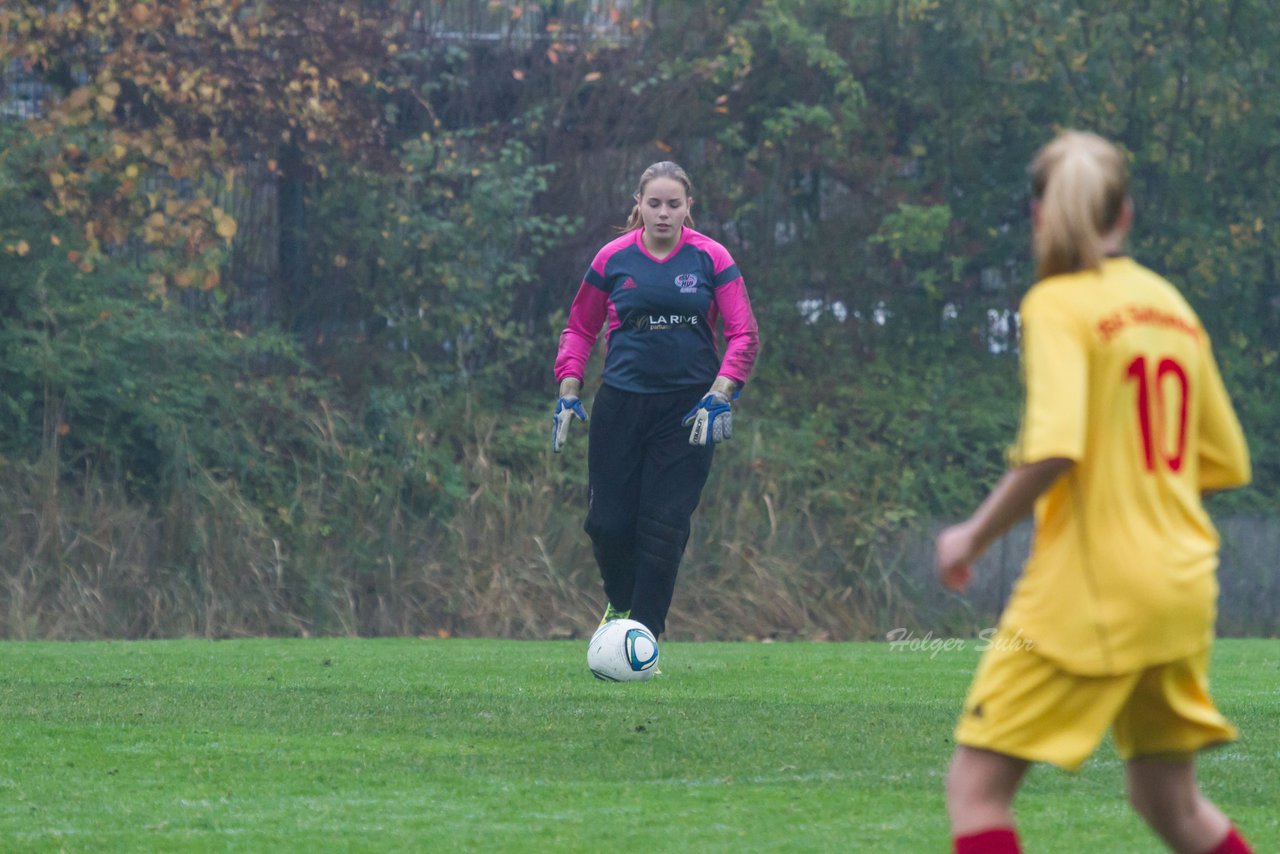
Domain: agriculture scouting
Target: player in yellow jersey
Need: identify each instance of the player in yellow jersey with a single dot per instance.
(1126, 425)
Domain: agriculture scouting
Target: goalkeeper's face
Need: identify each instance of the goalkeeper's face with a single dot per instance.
(663, 204)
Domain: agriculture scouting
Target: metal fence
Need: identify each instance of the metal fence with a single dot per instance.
(1248, 578)
(521, 23)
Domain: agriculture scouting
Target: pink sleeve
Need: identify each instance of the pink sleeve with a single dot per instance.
(741, 333)
(586, 317)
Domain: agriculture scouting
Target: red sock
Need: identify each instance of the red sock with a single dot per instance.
(1232, 843)
(1002, 840)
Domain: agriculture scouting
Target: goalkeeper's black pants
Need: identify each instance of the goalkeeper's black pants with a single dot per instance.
(644, 481)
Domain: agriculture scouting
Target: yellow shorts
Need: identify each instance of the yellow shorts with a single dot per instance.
(1024, 705)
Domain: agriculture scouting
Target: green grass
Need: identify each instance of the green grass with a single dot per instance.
(486, 745)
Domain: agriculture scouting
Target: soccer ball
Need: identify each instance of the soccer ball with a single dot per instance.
(623, 651)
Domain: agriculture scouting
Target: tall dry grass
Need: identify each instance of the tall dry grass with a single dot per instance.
(353, 555)
(80, 560)
(770, 559)
(356, 556)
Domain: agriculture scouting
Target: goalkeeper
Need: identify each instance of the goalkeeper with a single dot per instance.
(657, 291)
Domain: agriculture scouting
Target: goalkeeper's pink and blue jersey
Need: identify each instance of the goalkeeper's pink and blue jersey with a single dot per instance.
(659, 316)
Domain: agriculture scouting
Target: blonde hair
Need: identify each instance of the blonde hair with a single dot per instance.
(661, 169)
(1080, 182)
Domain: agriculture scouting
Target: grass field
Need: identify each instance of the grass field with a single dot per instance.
(486, 745)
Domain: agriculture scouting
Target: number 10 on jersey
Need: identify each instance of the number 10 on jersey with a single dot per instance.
(1154, 383)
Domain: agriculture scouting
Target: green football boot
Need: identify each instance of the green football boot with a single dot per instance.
(612, 613)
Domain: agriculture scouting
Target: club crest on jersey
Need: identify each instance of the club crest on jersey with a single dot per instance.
(687, 282)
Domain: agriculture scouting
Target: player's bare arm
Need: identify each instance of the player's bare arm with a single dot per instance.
(1012, 498)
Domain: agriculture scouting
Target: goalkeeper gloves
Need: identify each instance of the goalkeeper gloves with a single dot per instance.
(712, 418)
(568, 407)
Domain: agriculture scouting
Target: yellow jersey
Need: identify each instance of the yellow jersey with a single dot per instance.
(1121, 379)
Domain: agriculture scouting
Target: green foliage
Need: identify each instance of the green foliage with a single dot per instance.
(914, 229)
(438, 260)
(367, 452)
(96, 365)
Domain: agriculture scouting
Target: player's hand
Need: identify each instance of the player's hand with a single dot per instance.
(567, 409)
(712, 419)
(954, 553)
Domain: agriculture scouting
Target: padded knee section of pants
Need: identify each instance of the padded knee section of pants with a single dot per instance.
(661, 542)
(611, 539)
(659, 546)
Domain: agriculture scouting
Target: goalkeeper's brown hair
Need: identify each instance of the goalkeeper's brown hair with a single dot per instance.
(1080, 182)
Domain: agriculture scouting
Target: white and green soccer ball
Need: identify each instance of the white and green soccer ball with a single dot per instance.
(623, 651)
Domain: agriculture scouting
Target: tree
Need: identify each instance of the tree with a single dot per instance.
(161, 106)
